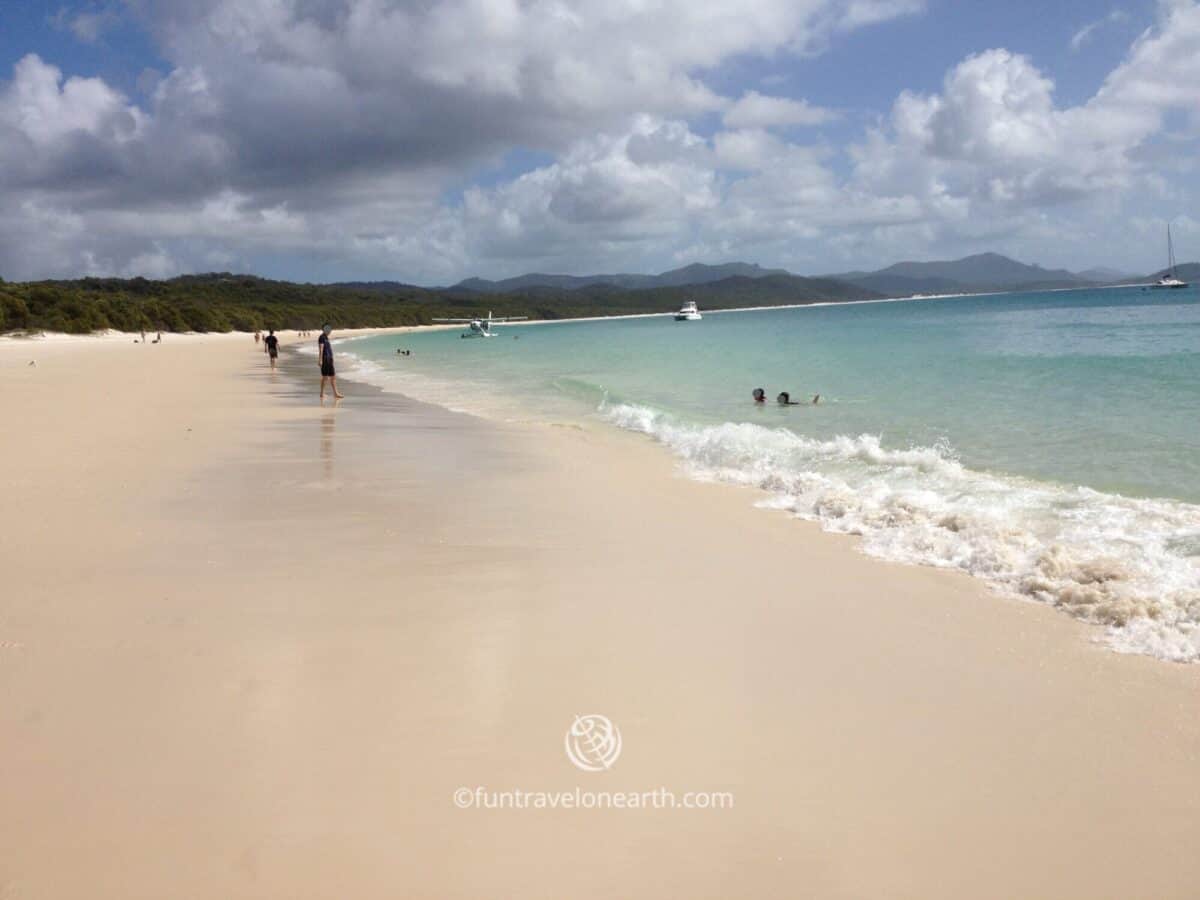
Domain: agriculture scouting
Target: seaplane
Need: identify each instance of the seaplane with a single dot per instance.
(479, 326)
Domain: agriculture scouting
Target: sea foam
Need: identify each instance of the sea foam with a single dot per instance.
(1130, 565)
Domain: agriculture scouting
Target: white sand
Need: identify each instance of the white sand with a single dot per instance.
(250, 646)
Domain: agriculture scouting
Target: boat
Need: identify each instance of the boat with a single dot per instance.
(1168, 278)
(688, 312)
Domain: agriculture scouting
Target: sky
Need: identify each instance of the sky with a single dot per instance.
(426, 141)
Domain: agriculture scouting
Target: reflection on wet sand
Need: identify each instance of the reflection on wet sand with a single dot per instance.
(328, 424)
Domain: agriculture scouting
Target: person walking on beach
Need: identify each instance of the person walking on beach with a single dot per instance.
(325, 354)
(272, 344)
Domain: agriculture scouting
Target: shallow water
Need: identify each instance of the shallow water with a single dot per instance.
(1047, 443)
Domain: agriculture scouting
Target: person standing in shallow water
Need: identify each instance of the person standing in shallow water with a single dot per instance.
(325, 355)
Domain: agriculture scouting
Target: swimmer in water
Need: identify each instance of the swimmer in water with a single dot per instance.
(760, 396)
(785, 399)
(816, 399)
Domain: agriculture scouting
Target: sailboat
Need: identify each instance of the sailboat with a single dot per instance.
(1168, 279)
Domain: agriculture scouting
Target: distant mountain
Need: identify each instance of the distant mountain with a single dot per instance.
(1103, 275)
(982, 272)
(1189, 272)
(556, 282)
(904, 286)
(696, 273)
(377, 287)
(762, 290)
(728, 293)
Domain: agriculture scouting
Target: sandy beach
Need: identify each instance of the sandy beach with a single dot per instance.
(251, 646)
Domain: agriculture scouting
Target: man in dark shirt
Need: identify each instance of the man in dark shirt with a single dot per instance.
(325, 355)
(272, 343)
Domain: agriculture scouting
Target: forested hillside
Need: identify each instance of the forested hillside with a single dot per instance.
(225, 302)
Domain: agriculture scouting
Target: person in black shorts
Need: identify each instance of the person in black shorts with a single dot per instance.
(272, 344)
(325, 355)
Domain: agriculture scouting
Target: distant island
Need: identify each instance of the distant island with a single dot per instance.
(982, 272)
(229, 302)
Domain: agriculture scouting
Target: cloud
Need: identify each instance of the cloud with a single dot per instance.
(63, 138)
(608, 194)
(41, 107)
(357, 117)
(349, 138)
(1084, 34)
(755, 110)
(991, 159)
(88, 26)
(995, 135)
(660, 191)
(859, 13)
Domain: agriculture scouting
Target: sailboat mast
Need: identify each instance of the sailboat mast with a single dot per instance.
(1170, 253)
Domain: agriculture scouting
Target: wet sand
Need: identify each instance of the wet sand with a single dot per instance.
(251, 646)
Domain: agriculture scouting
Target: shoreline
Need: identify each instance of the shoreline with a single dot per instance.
(54, 336)
(1095, 632)
(285, 634)
(1117, 607)
(757, 499)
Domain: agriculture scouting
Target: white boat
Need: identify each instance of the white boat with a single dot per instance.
(688, 312)
(1168, 279)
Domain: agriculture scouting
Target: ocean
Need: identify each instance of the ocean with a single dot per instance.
(1047, 443)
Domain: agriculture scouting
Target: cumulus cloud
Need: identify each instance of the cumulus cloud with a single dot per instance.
(609, 197)
(357, 117)
(349, 135)
(989, 159)
(662, 192)
(995, 142)
(42, 108)
(755, 110)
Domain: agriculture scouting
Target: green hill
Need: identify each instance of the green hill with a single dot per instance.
(227, 302)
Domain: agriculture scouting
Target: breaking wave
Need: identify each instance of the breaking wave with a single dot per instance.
(1130, 565)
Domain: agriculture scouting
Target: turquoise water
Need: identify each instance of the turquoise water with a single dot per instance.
(1048, 443)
